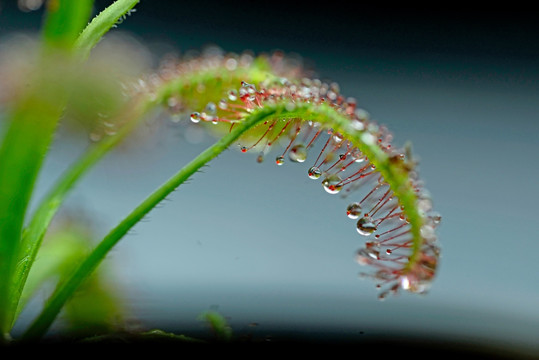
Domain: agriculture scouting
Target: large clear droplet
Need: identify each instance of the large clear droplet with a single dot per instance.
(366, 226)
(353, 211)
(314, 173)
(332, 184)
(298, 153)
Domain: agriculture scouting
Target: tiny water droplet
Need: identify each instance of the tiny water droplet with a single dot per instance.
(389, 251)
(211, 108)
(260, 158)
(366, 226)
(332, 184)
(279, 160)
(94, 136)
(298, 153)
(290, 106)
(353, 210)
(314, 173)
(222, 104)
(243, 149)
(247, 88)
(435, 217)
(195, 117)
(232, 95)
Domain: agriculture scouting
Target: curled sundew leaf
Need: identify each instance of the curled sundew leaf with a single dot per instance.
(357, 159)
(390, 208)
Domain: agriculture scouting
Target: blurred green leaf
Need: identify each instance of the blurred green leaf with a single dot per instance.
(218, 325)
(95, 308)
(64, 21)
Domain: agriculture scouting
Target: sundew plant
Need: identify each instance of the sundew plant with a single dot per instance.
(264, 105)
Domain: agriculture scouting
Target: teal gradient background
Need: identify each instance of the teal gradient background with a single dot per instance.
(265, 244)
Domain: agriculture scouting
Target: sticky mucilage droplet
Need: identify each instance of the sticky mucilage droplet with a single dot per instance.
(332, 184)
(314, 173)
(298, 153)
(195, 117)
(353, 211)
(366, 226)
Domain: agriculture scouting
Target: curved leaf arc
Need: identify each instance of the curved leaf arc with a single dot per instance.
(393, 211)
(276, 110)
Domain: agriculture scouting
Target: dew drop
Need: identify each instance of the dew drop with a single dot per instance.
(94, 136)
(414, 284)
(232, 95)
(231, 64)
(298, 153)
(366, 226)
(363, 257)
(332, 184)
(260, 158)
(222, 104)
(435, 217)
(353, 210)
(279, 160)
(211, 108)
(195, 117)
(243, 149)
(357, 125)
(314, 173)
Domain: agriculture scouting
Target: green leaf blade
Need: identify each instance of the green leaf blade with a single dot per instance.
(64, 21)
(101, 24)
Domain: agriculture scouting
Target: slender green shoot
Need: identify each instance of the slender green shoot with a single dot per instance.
(63, 24)
(134, 114)
(397, 179)
(31, 124)
(64, 20)
(67, 288)
(101, 24)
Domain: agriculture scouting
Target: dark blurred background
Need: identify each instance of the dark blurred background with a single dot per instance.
(460, 82)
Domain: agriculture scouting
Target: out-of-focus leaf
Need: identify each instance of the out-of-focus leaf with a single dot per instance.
(65, 20)
(95, 308)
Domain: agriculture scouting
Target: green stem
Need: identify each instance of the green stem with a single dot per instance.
(61, 30)
(32, 123)
(65, 290)
(21, 156)
(35, 231)
(64, 21)
(100, 25)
